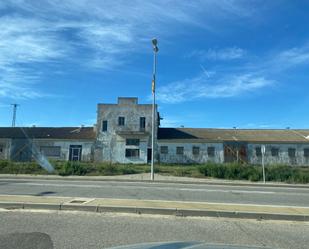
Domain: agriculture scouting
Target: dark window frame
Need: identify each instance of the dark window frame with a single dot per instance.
(132, 142)
(292, 152)
(306, 152)
(121, 121)
(195, 150)
(164, 149)
(104, 125)
(142, 123)
(179, 150)
(211, 151)
(132, 153)
(44, 148)
(258, 151)
(274, 151)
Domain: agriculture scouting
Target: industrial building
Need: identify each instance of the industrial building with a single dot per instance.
(122, 134)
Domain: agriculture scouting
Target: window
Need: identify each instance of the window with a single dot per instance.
(179, 150)
(292, 152)
(306, 152)
(132, 153)
(104, 125)
(258, 151)
(142, 123)
(52, 151)
(121, 121)
(195, 150)
(164, 150)
(132, 141)
(274, 151)
(1, 149)
(211, 151)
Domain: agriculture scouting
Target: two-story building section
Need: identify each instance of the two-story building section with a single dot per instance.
(124, 131)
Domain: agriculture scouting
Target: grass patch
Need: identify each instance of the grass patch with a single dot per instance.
(232, 171)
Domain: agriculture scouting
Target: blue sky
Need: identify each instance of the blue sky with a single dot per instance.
(221, 63)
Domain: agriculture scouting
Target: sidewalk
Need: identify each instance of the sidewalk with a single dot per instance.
(145, 177)
(156, 207)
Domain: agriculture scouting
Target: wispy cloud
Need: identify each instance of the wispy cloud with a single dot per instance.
(92, 34)
(224, 54)
(203, 87)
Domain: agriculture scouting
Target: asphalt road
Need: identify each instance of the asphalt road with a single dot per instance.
(98, 230)
(158, 191)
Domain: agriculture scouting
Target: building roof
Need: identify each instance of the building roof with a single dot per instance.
(48, 132)
(245, 135)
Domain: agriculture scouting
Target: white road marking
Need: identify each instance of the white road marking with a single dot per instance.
(150, 187)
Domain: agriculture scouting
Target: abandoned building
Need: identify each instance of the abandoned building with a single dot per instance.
(122, 134)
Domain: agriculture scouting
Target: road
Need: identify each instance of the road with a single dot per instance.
(96, 230)
(265, 195)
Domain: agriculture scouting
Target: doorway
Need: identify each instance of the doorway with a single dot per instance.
(148, 155)
(75, 152)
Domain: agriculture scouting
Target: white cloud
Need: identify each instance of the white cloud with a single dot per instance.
(224, 54)
(202, 87)
(36, 32)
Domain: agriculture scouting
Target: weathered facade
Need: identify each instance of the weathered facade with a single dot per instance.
(123, 131)
(59, 143)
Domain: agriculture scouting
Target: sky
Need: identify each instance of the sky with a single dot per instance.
(221, 64)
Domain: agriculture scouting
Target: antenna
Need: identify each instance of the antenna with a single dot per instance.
(14, 114)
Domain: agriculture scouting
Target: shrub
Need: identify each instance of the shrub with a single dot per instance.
(72, 168)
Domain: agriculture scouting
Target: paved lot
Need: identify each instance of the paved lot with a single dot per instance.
(158, 191)
(93, 230)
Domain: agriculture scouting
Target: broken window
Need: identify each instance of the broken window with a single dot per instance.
(258, 151)
(179, 150)
(121, 121)
(104, 125)
(306, 152)
(292, 152)
(142, 123)
(164, 150)
(195, 150)
(50, 151)
(211, 151)
(132, 141)
(274, 151)
(132, 153)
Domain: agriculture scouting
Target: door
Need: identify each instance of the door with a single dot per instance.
(75, 152)
(148, 155)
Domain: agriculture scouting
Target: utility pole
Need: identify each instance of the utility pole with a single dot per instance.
(14, 114)
(155, 51)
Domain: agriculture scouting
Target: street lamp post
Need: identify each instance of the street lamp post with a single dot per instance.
(155, 50)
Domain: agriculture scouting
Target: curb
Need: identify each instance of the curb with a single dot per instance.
(155, 211)
(85, 178)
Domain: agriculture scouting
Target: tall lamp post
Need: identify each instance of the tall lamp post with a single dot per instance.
(155, 51)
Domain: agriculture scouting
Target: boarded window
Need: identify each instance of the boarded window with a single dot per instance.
(104, 125)
(50, 151)
(121, 121)
(179, 150)
(258, 151)
(132, 153)
(211, 151)
(132, 141)
(164, 150)
(195, 150)
(306, 152)
(292, 152)
(274, 151)
(142, 123)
